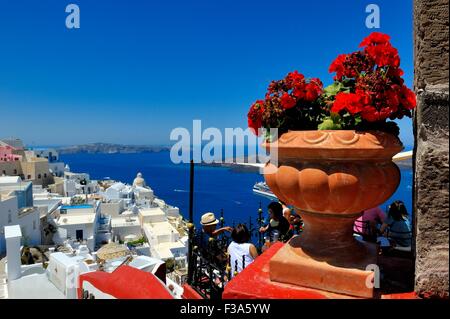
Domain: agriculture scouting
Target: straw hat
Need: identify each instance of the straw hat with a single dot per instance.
(209, 219)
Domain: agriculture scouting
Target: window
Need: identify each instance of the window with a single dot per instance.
(4, 172)
(9, 218)
(15, 172)
(34, 225)
(39, 176)
(29, 177)
(79, 234)
(45, 175)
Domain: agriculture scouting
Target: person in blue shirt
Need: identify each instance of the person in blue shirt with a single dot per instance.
(397, 227)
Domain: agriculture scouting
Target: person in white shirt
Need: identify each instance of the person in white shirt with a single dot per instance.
(241, 252)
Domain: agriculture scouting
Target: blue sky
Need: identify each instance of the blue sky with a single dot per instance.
(137, 69)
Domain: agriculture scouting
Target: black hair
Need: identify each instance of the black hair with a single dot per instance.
(277, 209)
(240, 234)
(397, 210)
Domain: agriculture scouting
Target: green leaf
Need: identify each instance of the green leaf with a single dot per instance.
(333, 89)
(329, 124)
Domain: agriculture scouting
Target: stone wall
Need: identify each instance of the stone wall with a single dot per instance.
(431, 42)
(431, 162)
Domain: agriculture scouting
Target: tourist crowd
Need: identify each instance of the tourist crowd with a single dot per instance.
(389, 231)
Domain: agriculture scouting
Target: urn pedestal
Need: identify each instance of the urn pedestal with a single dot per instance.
(331, 177)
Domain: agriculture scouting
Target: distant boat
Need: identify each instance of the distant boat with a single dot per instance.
(262, 189)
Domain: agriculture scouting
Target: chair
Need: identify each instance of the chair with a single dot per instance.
(397, 250)
(367, 233)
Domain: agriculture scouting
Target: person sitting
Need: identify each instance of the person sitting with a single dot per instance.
(240, 251)
(396, 227)
(278, 226)
(367, 224)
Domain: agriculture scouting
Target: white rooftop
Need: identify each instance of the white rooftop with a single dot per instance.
(33, 284)
(12, 231)
(68, 219)
(163, 250)
(10, 179)
(151, 211)
(118, 186)
(66, 260)
(143, 189)
(161, 228)
(122, 221)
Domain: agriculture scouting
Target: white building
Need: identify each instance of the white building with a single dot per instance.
(16, 208)
(170, 210)
(60, 279)
(79, 222)
(151, 215)
(78, 183)
(119, 191)
(113, 208)
(126, 228)
(47, 200)
(139, 193)
(55, 166)
(162, 236)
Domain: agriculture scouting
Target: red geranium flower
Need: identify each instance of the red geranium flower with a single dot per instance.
(294, 78)
(407, 98)
(369, 88)
(287, 101)
(313, 90)
(338, 66)
(375, 38)
(351, 102)
(384, 55)
(254, 116)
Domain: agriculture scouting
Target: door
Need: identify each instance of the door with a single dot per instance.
(79, 234)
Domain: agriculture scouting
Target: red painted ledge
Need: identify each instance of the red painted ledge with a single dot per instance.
(254, 283)
(190, 293)
(126, 283)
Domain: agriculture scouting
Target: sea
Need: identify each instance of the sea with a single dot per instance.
(216, 189)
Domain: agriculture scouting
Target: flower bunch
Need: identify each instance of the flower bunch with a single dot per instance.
(368, 90)
(289, 104)
(369, 84)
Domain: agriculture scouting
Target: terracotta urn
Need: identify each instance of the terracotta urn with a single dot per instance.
(331, 177)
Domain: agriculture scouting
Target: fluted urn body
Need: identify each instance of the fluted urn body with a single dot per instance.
(331, 177)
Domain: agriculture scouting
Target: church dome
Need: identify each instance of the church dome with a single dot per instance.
(139, 180)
